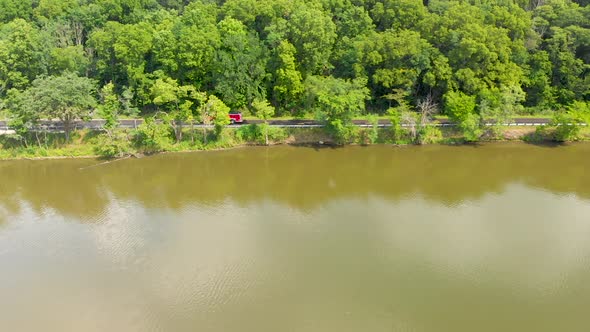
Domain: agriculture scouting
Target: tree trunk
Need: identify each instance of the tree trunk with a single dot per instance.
(67, 126)
(178, 131)
(37, 137)
(192, 131)
(266, 132)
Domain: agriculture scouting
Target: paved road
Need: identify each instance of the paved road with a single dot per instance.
(297, 123)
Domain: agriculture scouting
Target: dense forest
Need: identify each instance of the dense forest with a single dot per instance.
(338, 58)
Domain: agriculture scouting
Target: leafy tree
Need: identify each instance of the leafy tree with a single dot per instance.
(373, 132)
(481, 52)
(568, 123)
(353, 26)
(313, 34)
(24, 116)
(69, 58)
(152, 135)
(540, 94)
(398, 14)
(395, 117)
(109, 108)
(336, 102)
(460, 107)
(185, 46)
(471, 127)
(120, 56)
(178, 101)
(288, 86)
(264, 111)
(569, 71)
(22, 55)
(500, 106)
(403, 60)
(12, 9)
(52, 9)
(113, 143)
(240, 67)
(67, 97)
(218, 112)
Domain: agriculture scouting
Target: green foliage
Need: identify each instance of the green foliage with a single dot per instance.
(260, 133)
(177, 101)
(109, 107)
(69, 58)
(397, 131)
(23, 117)
(373, 131)
(402, 60)
(500, 106)
(429, 135)
(313, 33)
(460, 107)
(265, 111)
(288, 85)
(568, 124)
(115, 145)
(22, 56)
(240, 65)
(152, 136)
(471, 127)
(218, 111)
(11, 9)
(336, 102)
(67, 97)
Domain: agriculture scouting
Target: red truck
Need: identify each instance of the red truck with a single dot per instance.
(236, 117)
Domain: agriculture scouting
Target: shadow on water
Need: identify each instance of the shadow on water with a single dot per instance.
(301, 177)
(547, 144)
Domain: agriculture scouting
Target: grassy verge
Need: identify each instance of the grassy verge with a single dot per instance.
(88, 143)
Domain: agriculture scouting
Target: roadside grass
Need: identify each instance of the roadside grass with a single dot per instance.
(84, 142)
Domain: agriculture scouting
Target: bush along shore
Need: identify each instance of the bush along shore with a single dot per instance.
(156, 137)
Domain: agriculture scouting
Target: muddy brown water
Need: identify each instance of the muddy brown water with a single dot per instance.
(437, 238)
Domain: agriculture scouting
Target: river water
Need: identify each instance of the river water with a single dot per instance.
(436, 238)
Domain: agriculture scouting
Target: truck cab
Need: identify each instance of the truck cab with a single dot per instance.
(236, 117)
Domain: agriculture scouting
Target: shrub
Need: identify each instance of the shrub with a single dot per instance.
(342, 132)
(152, 136)
(568, 123)
(254, 133)
(116, 145)
(373, 132)
(471, 127)
(429, 135)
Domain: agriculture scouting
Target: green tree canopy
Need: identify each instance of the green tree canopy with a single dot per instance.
(67, 97)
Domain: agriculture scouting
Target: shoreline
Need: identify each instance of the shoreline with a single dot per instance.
(310, 145)
(85, 145)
